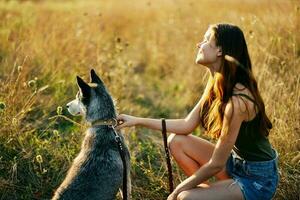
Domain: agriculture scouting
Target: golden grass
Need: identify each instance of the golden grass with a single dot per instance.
(144, 51)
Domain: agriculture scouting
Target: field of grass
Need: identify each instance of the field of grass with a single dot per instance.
(145, 52)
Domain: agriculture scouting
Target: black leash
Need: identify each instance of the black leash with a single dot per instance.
(164, 134)
(122, 154)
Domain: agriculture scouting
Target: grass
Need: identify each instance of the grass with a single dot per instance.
(144, 51)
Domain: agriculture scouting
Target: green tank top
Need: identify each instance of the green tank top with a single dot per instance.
(250, 144)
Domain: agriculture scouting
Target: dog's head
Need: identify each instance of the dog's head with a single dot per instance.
(92, 100)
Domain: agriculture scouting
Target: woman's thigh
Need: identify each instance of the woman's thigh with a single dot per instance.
(222, 190)
(198, 149)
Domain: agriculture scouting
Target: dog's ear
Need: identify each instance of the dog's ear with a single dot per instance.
(84, 87)
(95, 78)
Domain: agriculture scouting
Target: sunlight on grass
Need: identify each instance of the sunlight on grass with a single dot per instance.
(144, 52)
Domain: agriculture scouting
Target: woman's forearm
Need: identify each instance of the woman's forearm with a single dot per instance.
(178, 126)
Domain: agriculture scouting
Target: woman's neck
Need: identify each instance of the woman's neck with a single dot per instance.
(215, 67)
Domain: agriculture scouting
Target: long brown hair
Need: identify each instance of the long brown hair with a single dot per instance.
(235, 68)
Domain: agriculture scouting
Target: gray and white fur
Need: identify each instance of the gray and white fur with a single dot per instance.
(97, 171)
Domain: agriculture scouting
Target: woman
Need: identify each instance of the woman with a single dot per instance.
(231, 110)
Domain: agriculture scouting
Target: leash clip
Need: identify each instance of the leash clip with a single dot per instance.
(117, 138)
(115, 123)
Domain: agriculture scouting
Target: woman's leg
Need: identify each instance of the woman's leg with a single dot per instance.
(191, 152)
(220, 190)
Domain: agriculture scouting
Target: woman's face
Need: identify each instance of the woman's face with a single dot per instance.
(208, 52)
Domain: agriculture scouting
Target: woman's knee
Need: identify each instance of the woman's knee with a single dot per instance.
(183, 196)
(175, 141)
(171, 139)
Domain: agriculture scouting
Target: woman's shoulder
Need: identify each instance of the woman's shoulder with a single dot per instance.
(244, 101)
(239, 90)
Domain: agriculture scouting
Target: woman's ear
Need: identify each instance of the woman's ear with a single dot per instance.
(219, 51)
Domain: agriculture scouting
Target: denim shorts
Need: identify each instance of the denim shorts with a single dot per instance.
(257, 180)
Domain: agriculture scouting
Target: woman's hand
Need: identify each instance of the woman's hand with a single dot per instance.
(126, 121)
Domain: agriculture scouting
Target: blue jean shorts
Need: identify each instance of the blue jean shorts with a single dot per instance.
(257, 180)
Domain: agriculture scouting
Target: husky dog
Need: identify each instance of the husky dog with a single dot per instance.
(97, 171)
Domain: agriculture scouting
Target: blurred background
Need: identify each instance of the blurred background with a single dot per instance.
(145, 53)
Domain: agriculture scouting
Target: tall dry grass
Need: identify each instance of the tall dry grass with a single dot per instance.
(144, 51)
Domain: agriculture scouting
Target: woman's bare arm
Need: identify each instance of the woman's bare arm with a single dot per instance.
(178, 126)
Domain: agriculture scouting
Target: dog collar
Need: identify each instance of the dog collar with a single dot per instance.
(110, 122)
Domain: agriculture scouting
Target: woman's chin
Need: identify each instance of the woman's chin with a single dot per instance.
(199, 61)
